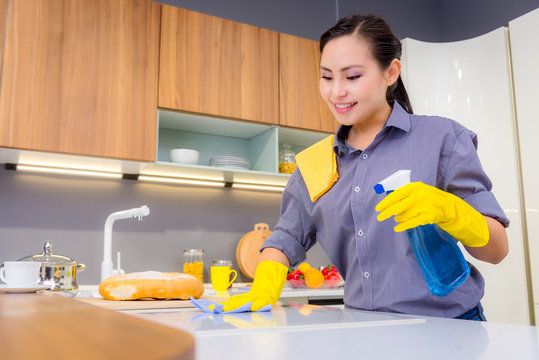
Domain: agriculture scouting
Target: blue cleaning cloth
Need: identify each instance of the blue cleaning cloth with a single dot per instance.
(204, 305)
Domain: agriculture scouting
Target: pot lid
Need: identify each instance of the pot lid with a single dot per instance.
(48, 257)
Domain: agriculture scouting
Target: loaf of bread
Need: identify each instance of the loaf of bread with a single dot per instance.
(151, 284)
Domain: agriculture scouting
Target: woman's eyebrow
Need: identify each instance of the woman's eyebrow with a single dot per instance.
(343, 69)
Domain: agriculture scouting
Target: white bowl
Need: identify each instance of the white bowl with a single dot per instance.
(184, 156)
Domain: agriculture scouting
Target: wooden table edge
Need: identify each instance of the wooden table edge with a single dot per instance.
(48, 325)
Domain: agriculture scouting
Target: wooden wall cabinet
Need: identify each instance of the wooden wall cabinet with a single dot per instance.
(301, 105)
(80, 77)
(3, 10)
(87, 77)
(218, 67)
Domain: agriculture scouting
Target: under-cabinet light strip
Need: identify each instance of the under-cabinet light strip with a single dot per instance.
(257, 187)
(71, 166)
(183, 176)
(174, 180)
(149, 178)
(68, 171)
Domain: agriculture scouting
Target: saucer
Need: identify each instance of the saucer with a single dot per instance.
(4, 288)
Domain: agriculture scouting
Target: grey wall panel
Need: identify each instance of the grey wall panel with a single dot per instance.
(71, 212)
(418, 19)
(426, 20)
(464, 19)
(304, 18)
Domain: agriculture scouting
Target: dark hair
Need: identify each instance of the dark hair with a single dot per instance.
(385, 47)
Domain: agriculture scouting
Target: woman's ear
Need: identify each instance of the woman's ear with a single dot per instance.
(392, 72)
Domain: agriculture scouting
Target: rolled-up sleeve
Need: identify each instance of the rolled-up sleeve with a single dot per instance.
(464, 177)
(295, 231)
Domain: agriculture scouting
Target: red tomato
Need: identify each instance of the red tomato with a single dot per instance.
(332, 279)
(296, 279)
(329, 270)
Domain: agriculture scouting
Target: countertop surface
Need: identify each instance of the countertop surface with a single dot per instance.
(306, 331)
(290, 331)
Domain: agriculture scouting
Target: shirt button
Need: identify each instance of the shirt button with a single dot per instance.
(356, 189)
(366, 274)
(360, 232)
(365, 156)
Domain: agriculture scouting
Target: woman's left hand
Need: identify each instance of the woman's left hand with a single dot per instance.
(419, 204)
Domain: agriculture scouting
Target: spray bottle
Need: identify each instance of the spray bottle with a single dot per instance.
(437, 253)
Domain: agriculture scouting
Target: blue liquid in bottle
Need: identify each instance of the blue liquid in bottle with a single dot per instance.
(439, 258)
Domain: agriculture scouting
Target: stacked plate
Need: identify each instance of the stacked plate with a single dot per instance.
(230, 162)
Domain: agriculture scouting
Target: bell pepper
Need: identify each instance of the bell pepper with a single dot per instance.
(329, 269)
(332, 277)
(296, 279)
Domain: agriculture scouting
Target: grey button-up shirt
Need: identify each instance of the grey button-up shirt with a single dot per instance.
(378, 264)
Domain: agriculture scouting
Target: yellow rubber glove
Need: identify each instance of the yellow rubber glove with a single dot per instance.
(318, 167)
(417, 204)
(270, 277)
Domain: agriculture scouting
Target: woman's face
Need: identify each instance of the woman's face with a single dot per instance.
(352, 82)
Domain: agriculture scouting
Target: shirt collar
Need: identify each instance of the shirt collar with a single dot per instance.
(398, 118)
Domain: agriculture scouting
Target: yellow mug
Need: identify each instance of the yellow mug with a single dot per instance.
(220, 277)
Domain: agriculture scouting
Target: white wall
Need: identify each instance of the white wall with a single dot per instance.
(469, 81)
(524, 32)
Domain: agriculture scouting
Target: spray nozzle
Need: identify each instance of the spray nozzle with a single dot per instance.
(393, 182)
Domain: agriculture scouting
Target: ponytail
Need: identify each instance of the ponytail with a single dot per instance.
(397, 91)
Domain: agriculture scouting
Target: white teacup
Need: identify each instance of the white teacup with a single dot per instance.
(20, 273)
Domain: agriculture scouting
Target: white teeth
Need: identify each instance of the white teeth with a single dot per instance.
(344, 106)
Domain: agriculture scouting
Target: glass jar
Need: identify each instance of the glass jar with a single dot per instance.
(193, 263)
(287, 160)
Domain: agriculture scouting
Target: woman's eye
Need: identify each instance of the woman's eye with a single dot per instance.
(353, 77)
(326, 77)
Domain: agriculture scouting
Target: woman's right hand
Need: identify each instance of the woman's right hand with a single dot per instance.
(270, 277)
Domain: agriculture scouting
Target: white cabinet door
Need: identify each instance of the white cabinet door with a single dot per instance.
(469, 81)
(523, 33)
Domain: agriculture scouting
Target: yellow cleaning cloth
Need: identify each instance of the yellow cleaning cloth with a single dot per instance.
(318, 166)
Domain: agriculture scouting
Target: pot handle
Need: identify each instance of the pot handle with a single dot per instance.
(81, 267)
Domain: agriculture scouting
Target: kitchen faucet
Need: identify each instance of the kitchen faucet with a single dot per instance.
(106, 265)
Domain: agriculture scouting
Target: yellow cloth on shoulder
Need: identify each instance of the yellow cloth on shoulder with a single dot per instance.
(318, 166)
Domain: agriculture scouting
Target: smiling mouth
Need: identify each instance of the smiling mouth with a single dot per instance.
(344, 107)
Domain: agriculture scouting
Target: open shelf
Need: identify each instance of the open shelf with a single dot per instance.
(260, 143)
(298, 138)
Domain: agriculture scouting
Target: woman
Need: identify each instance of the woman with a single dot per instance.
(330, 198)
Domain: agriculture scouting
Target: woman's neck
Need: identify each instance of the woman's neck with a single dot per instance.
(362, 135)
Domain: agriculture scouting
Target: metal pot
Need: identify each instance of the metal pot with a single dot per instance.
(57, 271)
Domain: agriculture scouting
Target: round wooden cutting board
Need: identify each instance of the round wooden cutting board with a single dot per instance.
(247, 254)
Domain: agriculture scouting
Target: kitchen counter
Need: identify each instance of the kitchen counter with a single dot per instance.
(305, 331)
(49, 325)
(302, 295)
(296, 295)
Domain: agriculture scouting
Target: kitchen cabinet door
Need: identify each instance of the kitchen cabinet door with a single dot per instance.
(80, 77)
(301, 105)
(3, 10)
(218, 67)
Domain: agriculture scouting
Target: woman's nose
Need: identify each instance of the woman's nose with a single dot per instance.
(338, 90)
